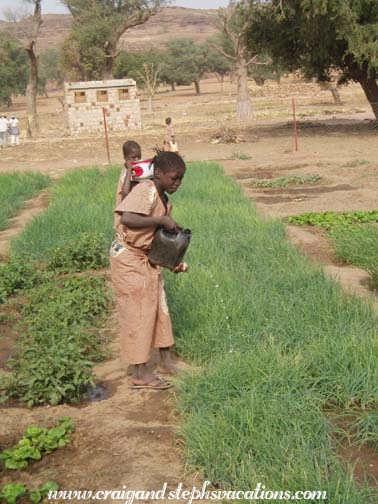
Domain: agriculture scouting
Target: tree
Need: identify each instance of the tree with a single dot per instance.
(98, 26)
(14, 69)
(216, 61)
(321, 37)
(29, 36)
(185, 62)
(130, 65)
(149, 77)
(49, 69)
(234, 23)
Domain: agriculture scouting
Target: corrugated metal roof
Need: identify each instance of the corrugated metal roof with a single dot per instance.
(115, 83)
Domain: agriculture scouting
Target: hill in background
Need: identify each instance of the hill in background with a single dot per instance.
(170, 23)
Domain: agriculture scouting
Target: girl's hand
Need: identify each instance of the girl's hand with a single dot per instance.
(169, 224)
(181, 268)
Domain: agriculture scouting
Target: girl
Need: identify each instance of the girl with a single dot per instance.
(138, 285)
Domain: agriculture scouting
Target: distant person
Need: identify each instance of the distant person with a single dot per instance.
(3, 131)
(170, 144)
(14, 131)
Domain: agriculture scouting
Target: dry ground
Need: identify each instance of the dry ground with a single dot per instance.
(129, 438)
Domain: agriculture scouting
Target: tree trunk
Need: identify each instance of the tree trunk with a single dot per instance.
(197, 87)
(221, 82)
(370, 88)
(150, 104)
(108, 71)
(335, 94)
(243, 104)
(9, 101)
(173, 87)
(31, 88)
(31, 93)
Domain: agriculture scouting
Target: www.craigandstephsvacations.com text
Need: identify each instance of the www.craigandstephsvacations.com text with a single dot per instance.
(188, 495)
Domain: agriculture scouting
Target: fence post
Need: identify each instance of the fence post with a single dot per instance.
(106, 134)
(295, 127)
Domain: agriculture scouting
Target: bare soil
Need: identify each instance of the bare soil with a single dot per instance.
(129, 438)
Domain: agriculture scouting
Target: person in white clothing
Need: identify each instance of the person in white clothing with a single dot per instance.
(3, 131)
(14, 131)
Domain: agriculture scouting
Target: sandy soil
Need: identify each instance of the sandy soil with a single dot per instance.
(129, 438)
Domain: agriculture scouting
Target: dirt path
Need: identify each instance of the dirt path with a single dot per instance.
(30, 209)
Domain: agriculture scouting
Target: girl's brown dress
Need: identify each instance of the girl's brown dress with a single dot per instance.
(138, 285)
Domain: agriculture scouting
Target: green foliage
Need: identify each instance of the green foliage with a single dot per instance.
(185, 61)
(130, 65)
(18, 274)
(81, 202)
(358, 245)
(331, 220)
(35, 442)
(17, 187)
(14, 69)
(285, 181)
(277, 342)
(217, 62)
(59, 343)
(91, 48)
(42, 492)
(86, 252)
(11, 492)
(319, 36)
(14, 491)
(49, 69)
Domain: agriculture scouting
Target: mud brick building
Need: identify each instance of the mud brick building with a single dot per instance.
(84, 103)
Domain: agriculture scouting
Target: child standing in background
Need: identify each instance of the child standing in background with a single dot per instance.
(138, 284)
(170, 144)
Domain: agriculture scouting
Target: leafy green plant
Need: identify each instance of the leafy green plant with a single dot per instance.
(330, 220)
(17, 274)
(60, 342)
(42, 491)
(35, 442)
(88, 251)
(11, 492)
(285, 181)
(14, 491)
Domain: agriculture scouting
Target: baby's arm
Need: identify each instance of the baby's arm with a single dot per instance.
(127, 182)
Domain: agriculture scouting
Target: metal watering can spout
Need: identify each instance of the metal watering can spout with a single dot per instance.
(168, 248)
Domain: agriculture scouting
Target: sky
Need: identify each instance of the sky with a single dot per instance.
(54, 6)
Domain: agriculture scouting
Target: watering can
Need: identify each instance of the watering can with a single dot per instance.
(168, 248)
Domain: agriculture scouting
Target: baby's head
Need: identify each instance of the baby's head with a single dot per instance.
(131, 151)
(168, 121)
(169, 170)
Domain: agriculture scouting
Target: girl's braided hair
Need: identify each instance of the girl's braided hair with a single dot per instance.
(168, 161)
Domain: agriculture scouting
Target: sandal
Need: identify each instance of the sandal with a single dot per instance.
(156, 384)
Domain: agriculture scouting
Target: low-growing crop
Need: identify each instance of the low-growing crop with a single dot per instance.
(277, 342)
(286, 181)
(330, 220)
(17, 274)
(35, 442)
(87, 251)
(61, 340)
(14, 491)
(15, 188)
(81, 202)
